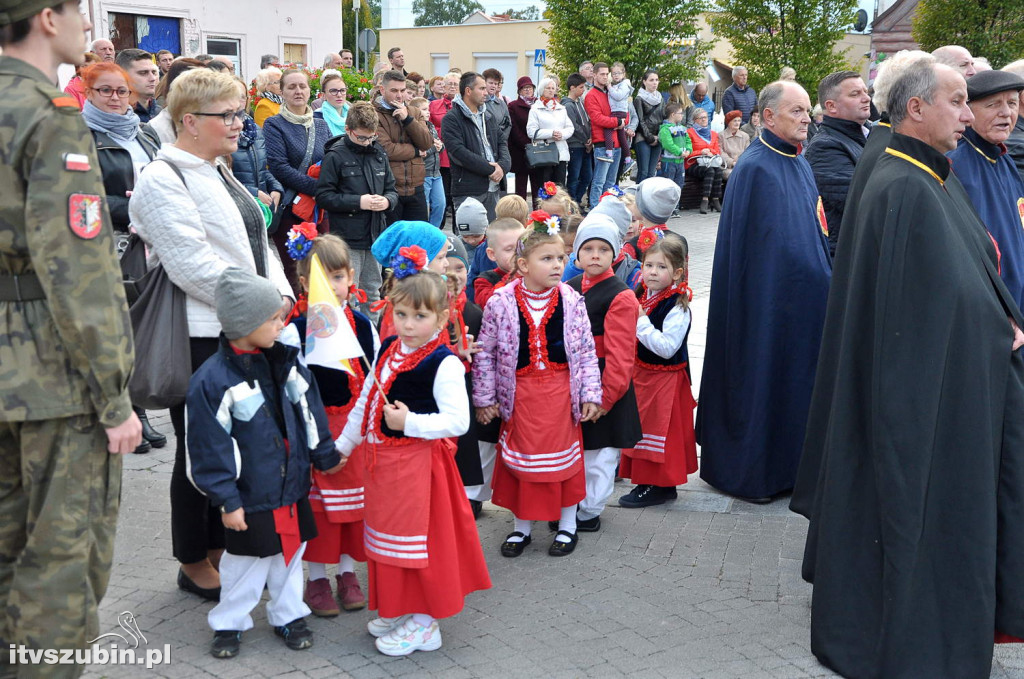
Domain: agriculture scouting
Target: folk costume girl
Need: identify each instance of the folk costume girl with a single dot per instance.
(337, 499)
(538, 370)
(667, 453)
(423, 548)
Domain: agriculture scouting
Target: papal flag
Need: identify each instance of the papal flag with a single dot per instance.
(330, 340)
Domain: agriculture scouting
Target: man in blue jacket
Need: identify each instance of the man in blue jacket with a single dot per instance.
(739, 97)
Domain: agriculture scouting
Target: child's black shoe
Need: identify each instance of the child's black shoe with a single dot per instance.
(297, 636)
(226, 643)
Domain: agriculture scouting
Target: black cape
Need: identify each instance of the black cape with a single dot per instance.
(769, 285)
(913, 466)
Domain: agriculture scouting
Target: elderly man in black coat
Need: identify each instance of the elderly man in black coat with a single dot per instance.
(835, 150)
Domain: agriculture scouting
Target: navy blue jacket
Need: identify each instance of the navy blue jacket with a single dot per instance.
(240, 411)
(744, 101)
(249, 165)
(286, 147)
(833, 155)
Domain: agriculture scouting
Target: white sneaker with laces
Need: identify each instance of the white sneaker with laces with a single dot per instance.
(409, 637)
(378, 627)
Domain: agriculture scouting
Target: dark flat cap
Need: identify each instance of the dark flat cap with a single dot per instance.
(987, 83)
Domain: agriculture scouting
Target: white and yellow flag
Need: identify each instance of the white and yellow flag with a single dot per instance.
(330, 340)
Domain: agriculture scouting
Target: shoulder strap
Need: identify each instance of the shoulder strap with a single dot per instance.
(310, 143)
(177, 170)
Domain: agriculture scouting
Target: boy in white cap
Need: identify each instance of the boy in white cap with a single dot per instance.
(253, 401)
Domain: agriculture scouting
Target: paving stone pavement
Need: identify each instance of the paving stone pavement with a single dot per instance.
(705, 587)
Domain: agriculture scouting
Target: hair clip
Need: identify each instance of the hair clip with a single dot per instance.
(300, 240)
(548, 191)
(409, 261)
(544, 223)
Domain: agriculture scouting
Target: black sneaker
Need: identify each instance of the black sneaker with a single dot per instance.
(669, 492)
(477, 506)
(588, 525)
(226, 643)
(643, 496)
(297, 636)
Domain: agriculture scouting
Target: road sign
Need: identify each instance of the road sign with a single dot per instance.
(539, 57)
(367, 40)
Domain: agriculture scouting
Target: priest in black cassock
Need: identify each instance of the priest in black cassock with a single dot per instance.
(914, 543)
(982, 165)
(769, 285)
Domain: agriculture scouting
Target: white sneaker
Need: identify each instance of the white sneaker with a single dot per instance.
(378, 627)
(409, 637)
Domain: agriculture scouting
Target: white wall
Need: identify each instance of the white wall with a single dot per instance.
(262, 26)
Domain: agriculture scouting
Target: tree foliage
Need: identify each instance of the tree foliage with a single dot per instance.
(443, 12)
(767, 35)
(987, 28)
(531, 13)
(642, 34)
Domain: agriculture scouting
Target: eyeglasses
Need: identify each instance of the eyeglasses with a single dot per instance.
(363, 139)
(336, 92)
(107, 92)
(228, 117)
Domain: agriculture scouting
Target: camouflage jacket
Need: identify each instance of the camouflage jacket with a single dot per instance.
(70, 353)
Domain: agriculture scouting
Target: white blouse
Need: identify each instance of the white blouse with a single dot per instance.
(664, 342)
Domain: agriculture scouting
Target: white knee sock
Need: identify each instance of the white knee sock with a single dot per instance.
(316, 570)
(346, 564)
(567, 522)
(422, 619)
(523, 527)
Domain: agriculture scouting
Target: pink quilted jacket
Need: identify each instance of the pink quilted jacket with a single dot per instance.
(494, 368)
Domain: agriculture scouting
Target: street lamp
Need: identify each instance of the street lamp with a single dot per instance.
(355, 8)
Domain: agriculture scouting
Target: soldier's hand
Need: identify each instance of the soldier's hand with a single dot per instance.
(235, 520)
(125, 437)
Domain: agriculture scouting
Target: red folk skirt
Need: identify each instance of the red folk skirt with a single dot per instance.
(418, 514)
(667, 453)
(337, 502)
(540, 450)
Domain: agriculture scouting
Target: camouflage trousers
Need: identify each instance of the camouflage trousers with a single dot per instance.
(59, 495)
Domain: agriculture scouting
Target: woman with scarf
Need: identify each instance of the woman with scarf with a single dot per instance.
(549, 120)
(249, 162)
(704, 165)
(295, 143)
(519, 112)
(335, 106)
(268, 84)
(123, 147)
(650, 109)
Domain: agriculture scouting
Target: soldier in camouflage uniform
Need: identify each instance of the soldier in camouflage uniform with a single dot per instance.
(65, 348)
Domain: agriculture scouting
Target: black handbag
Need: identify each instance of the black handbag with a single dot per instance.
(163, 359)
(541, 154)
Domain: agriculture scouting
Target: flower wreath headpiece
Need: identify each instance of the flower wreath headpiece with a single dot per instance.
(548, 191)
(409, 261)
(300, 240)
(612, 190)
(649, 237)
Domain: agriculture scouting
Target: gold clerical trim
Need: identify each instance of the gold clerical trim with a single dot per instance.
(881, 124)
(915, 161)
(781, 153)
(983, 154)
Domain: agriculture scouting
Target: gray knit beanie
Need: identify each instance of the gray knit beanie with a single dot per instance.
(656, 198)
(618, 212)
(244, 302)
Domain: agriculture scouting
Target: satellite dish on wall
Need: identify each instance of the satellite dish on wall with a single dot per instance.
(861, 22)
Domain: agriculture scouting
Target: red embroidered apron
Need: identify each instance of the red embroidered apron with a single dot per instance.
(656, 394)
(340, 496)
(397, 484)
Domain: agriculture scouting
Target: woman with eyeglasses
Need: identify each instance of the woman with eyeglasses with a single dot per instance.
(249, 162)
(335, 102)
(295, 143)
(268, 84)
(197, 224)
(123, 147)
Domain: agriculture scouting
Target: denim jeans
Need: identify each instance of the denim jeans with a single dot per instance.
(647, 158)
(581, 170)
(433, 187)
(604, 173)
(675, 172)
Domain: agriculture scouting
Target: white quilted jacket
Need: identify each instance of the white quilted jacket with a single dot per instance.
(195, 233)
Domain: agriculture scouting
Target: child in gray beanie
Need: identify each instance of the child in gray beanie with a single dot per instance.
(255, 424)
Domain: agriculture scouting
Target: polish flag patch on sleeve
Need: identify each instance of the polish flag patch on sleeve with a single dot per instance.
(76, 162)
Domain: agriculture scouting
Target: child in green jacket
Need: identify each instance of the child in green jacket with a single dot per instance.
(675, 144)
